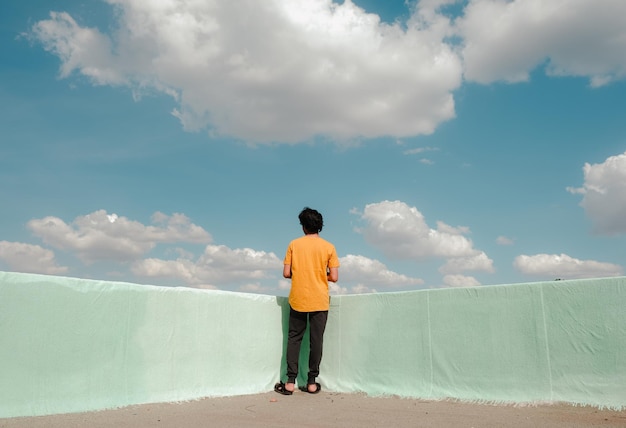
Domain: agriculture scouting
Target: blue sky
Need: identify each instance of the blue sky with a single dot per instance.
(446, 143)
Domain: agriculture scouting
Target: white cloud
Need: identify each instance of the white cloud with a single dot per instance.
(505, 40)
(206, 287)
(266, 71)
(460, 281)
(219, 266)
(419, 150)
(554, 266)
(284, 284)
(361, 270)
(604, 193)
(401, 232)
(21, 257)
(290, 70)
(180, 269)
(85, 49)
(335, 289)
(359, 275)
(503, 240)
(362, 289)
(100, 236)
(255, 288)
(477, 262)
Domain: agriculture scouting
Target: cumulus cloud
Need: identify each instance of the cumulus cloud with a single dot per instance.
(244, 269)
(460, 281)
(401, 232)
(287, 71)
(255, 288)
(362, 274)
(265, 71)
(505, 40)
(555, 266)
(21, 257)
(335, 289)
(218, 267)
(100, 236)
(604, 195)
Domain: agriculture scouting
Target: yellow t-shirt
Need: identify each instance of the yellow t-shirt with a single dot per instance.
(309, 256)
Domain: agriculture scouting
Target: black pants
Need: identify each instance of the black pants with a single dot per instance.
(297, 326)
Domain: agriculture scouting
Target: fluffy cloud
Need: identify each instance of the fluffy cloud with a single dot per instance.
(505, 40)
(359, 270)
(255, 288)
(100, 236)
(288, 71)
(221, 267)
(478, 262)
(604, 193)
(401, 232)
(553, 266)
(28, 258)
(217, 267)
(266, 71)
(460, 281)
(336, 290)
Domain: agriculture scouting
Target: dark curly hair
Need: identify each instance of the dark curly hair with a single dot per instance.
(311, 220)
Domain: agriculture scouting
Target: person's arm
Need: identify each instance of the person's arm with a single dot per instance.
(287, 271)
(333, 274)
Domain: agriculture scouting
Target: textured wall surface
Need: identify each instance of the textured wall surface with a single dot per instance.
(70, 345)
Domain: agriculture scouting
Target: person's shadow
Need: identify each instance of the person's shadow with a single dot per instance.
(303, 361)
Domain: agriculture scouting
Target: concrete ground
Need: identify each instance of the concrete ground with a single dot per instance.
(328, 409)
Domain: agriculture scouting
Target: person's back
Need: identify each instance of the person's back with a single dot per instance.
(310, 262)
(310, 258)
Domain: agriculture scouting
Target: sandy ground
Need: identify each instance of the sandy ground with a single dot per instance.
(328, 409)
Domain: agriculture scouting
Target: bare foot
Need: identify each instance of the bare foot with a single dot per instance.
(290, 387)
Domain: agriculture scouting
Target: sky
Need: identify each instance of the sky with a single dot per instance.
(446, 143)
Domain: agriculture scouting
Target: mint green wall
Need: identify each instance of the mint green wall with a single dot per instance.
(551, 341)
(70, 345)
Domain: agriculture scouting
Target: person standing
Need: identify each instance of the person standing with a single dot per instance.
(311, 262)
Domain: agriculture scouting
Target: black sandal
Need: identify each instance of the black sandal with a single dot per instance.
(306, 388)
(280, 388)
